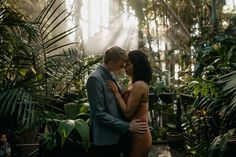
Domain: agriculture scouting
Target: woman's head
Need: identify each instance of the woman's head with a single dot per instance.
(138, 66)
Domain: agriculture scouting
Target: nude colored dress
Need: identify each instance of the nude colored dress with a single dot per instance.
(140, 144)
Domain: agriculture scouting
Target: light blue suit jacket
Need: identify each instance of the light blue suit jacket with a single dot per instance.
(107, 125)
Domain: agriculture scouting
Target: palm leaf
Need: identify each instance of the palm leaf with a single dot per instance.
(228, 81)
(24, 87)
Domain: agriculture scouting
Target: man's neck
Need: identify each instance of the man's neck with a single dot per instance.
(106, 67)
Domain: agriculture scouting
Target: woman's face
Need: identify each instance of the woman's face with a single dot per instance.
(129, 68)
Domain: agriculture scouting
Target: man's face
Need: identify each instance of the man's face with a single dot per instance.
(3, 139)
(118, 66)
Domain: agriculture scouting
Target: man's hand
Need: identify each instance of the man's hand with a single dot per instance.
(137, 126)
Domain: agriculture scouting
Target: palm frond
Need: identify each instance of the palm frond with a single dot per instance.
(25, 54)
(228, 81)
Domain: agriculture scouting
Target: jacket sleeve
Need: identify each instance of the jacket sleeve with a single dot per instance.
(98, 109)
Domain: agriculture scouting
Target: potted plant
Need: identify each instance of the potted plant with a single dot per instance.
(174, 139)
(173, 134)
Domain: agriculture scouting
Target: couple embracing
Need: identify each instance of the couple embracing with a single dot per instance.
(119, 121)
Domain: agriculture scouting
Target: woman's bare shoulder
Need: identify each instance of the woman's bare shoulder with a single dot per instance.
(140, 85)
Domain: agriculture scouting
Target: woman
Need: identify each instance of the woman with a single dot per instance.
(134, 102)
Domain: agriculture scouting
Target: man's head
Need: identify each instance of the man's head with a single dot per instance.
(114, 59)
(3, 138)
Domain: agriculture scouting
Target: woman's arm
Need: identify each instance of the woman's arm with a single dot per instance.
(134, 99)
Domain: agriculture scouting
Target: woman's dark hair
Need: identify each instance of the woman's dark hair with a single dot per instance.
(141, 66)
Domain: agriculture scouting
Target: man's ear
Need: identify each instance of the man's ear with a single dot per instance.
(110, 63)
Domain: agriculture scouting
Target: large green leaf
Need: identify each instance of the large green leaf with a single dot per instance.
(71, 110)
(65, 128)
(82, 128)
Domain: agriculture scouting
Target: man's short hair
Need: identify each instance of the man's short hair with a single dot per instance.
(114, 54)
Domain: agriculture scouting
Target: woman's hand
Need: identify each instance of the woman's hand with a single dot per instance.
(112, 86)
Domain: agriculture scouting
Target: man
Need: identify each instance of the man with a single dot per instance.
(5, 150)
(108, 129)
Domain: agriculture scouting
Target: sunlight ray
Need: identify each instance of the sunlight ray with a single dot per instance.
(100, 32)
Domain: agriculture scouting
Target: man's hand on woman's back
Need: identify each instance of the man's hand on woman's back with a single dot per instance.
(137, 126)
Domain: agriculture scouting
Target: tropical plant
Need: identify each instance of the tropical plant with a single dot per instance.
(41, 71)
(211, 124)
(70, 125)
(29, 51)
(17, 61)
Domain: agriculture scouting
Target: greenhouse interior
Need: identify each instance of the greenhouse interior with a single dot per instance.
(52, 49)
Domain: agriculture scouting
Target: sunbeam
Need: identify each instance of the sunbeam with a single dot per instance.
(102, 28)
